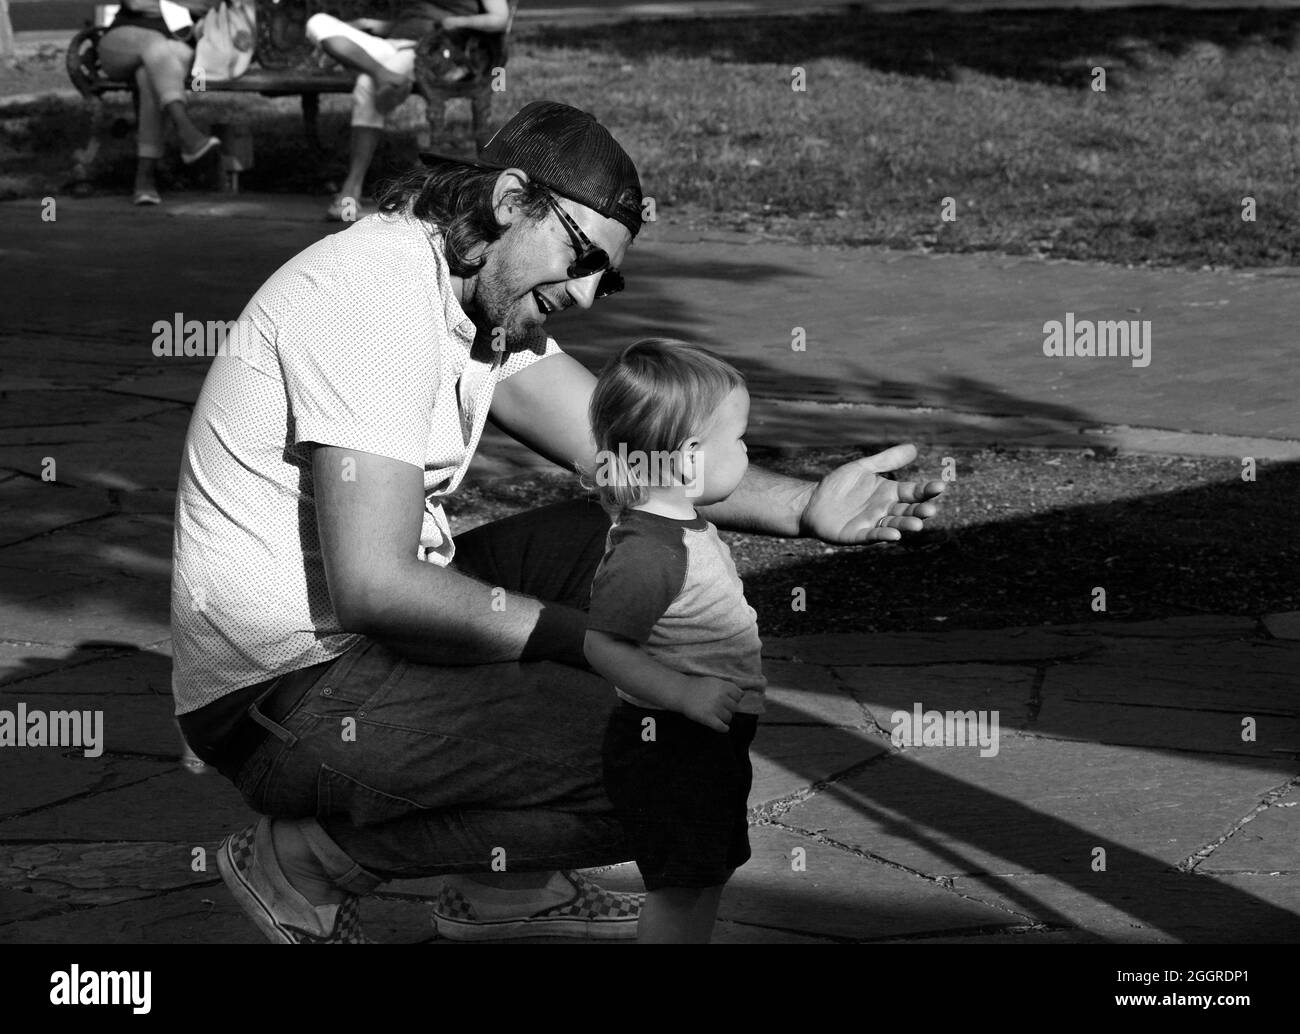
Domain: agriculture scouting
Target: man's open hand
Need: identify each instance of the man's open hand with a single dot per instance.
(854, 504)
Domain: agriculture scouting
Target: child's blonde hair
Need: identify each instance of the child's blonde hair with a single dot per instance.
(650, 400)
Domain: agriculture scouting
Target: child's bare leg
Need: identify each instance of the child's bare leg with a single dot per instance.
(706, 913)
(678, 915)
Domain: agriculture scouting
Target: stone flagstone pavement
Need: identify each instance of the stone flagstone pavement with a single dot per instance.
(1118, 737)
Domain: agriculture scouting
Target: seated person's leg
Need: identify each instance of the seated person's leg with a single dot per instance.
(367, 128)
(159, 67)
(168, 63)
(384, 80)
(322, 27)
(119, 51)
(367, 55)
(148, 139)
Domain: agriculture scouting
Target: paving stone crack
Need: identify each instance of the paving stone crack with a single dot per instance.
(836, 938)
(946, 882)
(869, 719)
(978, 931)
(43, 443)
(778, 806)
(1029, 734)
(144, 417)
(71, 907)
(62, 527)
(899, 663)
(814, 724)
(1035, 702)
(1191, 709)
(84, 795)
(141, 755)
(1270, 799)
(149, 397)
(107, 655)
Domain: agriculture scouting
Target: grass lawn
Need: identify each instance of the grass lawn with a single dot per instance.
(900, 111)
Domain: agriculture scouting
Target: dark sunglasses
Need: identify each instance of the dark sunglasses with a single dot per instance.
(590, 259)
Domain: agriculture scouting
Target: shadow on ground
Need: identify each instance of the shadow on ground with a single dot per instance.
(894, 808)
(915, 814)
(1036, 46)
(1217, 548)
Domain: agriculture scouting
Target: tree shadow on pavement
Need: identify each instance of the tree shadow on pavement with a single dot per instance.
(915, 816)
(1220, 548)
(934, 823)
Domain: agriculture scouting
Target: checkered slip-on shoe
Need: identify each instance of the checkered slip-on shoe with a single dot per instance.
(249, 867)
(592, 912)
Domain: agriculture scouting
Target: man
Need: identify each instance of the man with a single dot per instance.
(382, 53)
(397, 704)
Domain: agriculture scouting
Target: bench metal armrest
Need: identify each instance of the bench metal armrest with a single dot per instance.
(82, 63)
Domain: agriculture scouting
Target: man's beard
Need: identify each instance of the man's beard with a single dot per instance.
(496, 303)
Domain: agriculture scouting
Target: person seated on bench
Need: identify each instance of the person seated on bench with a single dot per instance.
(383, 55)
(139, 46)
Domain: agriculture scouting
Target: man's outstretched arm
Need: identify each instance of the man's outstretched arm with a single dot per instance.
(369, 524)
(545, 407)
(851, 505)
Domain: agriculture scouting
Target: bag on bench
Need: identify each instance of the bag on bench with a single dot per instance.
(227, 37)
(453, 57)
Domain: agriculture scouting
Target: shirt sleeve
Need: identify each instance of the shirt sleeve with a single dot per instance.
(521, 360)
(637, 581)
(360, 364)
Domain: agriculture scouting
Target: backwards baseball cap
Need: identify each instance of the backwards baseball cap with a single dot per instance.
(567, 150)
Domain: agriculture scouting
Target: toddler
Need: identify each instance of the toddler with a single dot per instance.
(670, 628)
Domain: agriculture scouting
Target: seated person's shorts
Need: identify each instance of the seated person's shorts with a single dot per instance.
(681, 797)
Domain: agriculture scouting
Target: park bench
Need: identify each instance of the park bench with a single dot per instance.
(286, 64)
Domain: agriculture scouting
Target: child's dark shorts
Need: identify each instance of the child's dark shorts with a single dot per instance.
(682, 796)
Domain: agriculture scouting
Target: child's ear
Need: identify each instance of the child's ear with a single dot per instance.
(689, 462)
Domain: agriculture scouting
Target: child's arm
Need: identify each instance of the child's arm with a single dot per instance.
(709, 701)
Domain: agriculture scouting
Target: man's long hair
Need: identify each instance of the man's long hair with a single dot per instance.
(458, 199)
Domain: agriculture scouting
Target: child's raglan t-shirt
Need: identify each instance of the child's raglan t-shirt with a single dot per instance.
(671, 586)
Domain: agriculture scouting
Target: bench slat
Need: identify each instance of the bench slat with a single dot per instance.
(277, 81)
